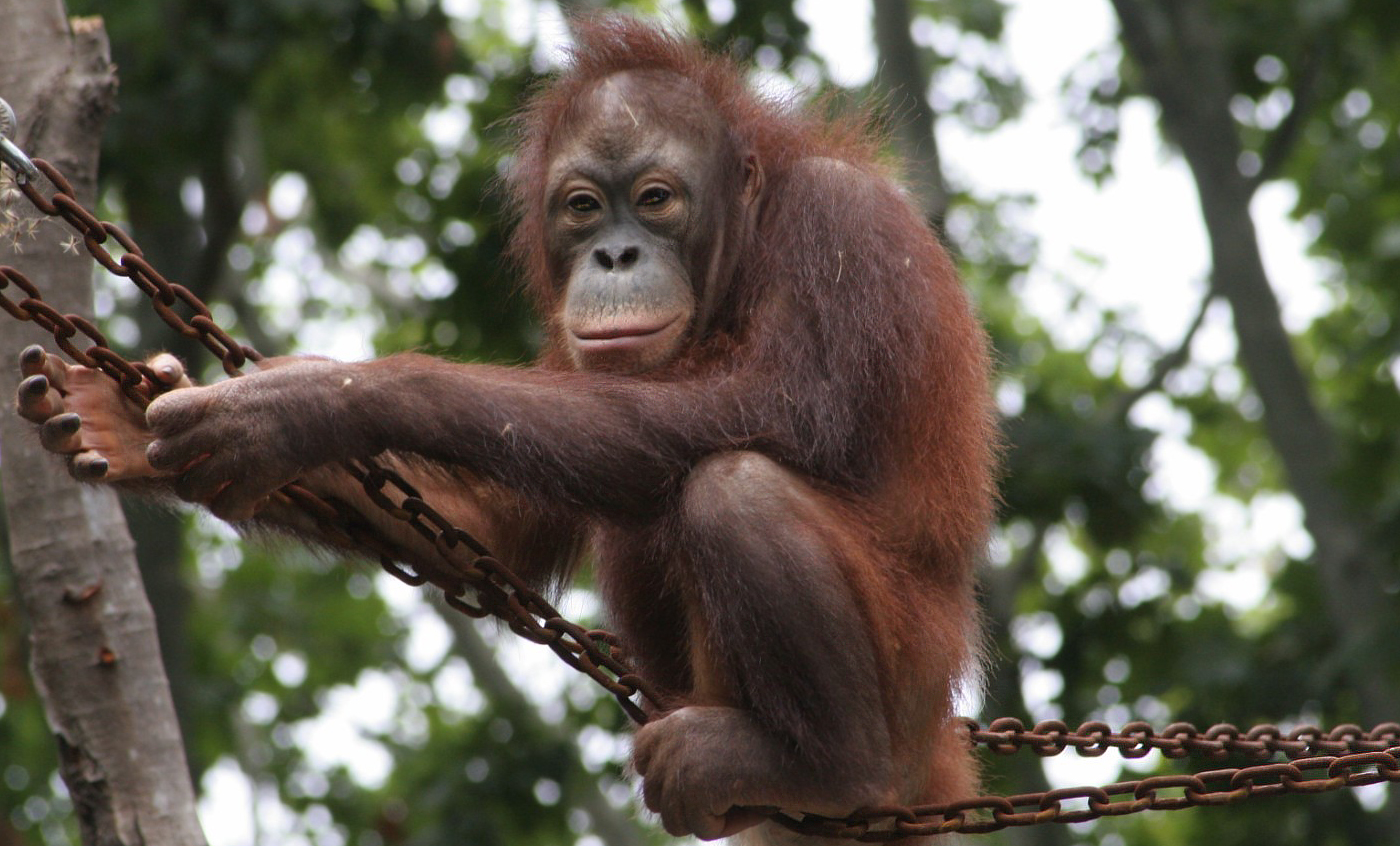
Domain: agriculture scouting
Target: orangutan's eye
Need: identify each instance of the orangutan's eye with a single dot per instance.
(583, 202)
(654, 196)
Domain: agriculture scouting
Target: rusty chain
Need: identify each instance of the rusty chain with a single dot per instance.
(475, 583)
(984, 814)
(471, 579)
(1007, 736)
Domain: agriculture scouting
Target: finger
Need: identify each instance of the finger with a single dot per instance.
(31, 360)
(35, 360)
(36, 400)
(674, 826)
(175, 455)
(704, 826)
(642, 746)
(178, 447)
(197, 484)
(61, 434)
(739, 819)
(237, 505)
(169, 370)
(245, 496)
(229, 486)
(653, 793)
(175, 411)
(88, 467)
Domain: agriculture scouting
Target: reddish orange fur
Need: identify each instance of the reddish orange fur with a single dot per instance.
(785, 508)
(847, 304)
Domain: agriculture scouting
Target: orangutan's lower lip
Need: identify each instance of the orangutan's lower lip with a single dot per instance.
(620, 337)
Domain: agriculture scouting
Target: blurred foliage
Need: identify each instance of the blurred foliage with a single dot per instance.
(312, 165)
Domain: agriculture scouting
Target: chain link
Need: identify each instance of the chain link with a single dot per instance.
(984, 814)
(165, 295)
(1007, 735)
(65, 327)
(475, 583)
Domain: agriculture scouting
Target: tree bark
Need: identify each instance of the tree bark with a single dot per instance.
(903, 83)
(94, 656)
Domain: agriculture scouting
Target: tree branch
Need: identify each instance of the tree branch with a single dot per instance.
(1164, 366)
(612, 827)
(1284, 139)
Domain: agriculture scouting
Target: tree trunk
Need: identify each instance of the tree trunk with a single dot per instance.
(903, 83)
(94, 657)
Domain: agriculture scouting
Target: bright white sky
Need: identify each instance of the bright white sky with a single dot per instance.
(1150, 258)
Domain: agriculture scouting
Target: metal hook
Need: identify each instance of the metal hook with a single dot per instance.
(24, 169)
